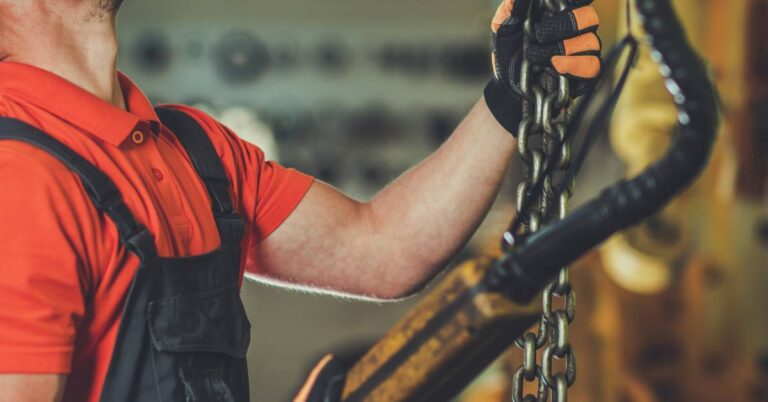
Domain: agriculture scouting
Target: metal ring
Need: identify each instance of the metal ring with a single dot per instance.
(562, 285)
(546, 367)
(529, 355)
(522, 139)
(542, 335)
(562, 346)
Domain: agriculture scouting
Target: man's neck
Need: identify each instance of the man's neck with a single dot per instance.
(77, 43)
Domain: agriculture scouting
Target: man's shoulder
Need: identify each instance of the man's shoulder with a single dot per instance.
(205, 120)
(26, 164)
(227, 143)
(24, 158)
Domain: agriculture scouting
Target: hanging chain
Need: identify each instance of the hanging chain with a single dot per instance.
(546, 111)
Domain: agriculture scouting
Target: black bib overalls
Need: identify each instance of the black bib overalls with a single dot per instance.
(184, 333)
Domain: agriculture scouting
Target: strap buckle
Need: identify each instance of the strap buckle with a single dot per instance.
(141, 243)
(134, 236)
(220, 198)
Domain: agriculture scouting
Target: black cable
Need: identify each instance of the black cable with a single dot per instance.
(594, 128)
(597, 125)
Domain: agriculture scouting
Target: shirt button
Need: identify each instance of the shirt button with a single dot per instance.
(137, 137)
(158, 174)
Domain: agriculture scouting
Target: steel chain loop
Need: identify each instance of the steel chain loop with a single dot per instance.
(546, 104)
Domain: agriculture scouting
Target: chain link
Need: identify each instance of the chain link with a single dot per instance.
(546, 104)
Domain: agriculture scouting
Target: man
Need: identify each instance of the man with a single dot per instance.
(74, 264)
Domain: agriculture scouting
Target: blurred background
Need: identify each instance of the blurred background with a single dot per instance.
(356, 92)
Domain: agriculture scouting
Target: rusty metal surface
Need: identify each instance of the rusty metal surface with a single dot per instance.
(466, 333)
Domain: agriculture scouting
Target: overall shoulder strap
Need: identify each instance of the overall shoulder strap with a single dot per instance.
(100, 188)
(203, 155)
(200, 150)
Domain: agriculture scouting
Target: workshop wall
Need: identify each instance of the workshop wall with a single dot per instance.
(333, 80)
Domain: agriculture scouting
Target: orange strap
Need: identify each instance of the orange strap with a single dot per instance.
(307, 387)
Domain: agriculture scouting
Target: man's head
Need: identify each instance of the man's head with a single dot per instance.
(58, 34)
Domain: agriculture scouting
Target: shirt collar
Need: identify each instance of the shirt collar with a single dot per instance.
(77, 106)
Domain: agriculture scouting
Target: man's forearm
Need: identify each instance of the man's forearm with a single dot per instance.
(425, 216)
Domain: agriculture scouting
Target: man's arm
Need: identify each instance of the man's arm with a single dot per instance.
(32, 387)
(390, 246)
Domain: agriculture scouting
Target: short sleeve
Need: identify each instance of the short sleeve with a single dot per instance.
(41, 269)
(279, 191)
(276, 190)
(266, 192)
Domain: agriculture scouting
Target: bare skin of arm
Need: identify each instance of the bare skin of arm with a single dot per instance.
(32, 387)
(390, 246)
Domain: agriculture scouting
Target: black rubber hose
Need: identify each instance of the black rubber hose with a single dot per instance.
(538, 258)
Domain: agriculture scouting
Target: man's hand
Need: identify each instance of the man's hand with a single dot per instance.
(566, 41)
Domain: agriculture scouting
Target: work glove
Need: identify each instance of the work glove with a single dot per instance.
(566, 41)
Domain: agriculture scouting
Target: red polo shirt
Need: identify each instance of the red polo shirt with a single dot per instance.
(63, 272)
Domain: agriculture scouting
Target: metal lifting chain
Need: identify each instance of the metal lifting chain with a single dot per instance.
(546, 111)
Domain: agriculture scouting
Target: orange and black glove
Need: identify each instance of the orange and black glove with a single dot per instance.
(566, 41)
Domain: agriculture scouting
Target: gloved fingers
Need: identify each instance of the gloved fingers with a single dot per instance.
(588, 42)
(583, 66)
(502, 14)
(520, 9)
(543, 52)
(567, 24)
(510, 11)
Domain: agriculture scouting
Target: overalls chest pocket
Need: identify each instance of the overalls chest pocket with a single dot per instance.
(198, 342)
